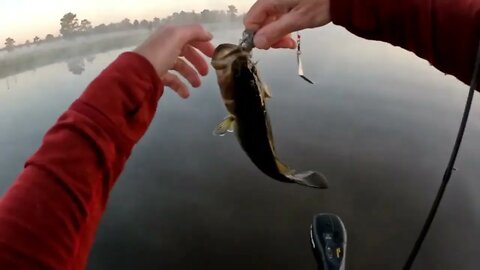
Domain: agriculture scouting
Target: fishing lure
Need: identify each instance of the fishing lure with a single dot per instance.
(299, 59)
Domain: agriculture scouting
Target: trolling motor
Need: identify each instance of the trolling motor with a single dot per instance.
(329, 241)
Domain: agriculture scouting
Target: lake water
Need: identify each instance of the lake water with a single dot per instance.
(379, 123)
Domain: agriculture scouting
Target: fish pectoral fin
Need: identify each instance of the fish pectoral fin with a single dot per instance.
(227, 125)
(310, 179)
(266, 91)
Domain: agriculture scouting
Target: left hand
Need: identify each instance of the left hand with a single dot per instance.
(177, 48)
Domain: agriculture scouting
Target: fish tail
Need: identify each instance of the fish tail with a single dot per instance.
(310, 179)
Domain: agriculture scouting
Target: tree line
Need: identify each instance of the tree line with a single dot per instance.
(71, 26)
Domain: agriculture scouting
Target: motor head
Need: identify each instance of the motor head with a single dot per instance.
(329, 241)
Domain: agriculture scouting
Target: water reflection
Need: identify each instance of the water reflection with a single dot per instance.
(379, 123)
(76, 66)
(90, 58)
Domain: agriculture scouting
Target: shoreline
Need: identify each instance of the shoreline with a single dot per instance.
(37, 56)
(45, 54)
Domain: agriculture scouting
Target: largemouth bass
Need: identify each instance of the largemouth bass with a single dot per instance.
(244, 96)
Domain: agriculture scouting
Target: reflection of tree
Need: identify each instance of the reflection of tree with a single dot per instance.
(76, 66)
(90, 58)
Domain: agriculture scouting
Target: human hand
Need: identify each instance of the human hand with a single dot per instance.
(175, 48)
(275, 20)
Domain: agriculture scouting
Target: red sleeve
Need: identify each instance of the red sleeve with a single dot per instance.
(48, 218)
(444, 32)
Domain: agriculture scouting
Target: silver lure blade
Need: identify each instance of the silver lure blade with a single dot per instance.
(299, 61)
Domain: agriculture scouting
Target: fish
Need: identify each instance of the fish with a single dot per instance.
(245, 95)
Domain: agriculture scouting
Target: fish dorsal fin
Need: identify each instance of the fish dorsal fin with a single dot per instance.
(227, 125)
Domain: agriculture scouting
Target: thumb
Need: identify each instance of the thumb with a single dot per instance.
(276, 30)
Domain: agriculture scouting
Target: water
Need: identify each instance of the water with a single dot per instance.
(380, 123)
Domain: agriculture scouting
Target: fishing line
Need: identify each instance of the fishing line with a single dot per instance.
(450, 167)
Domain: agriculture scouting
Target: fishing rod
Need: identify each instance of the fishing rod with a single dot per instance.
(450, 167)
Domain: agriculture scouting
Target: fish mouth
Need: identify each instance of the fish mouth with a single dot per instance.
(226, 54)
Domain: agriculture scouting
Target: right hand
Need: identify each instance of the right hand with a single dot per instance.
(275, 20)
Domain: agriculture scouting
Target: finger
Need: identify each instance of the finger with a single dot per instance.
(259, 13)
(190, 33)
(171, 80)
(285, 43)
(206, 47)
(188, 72)
(273, 32)
(194, 57)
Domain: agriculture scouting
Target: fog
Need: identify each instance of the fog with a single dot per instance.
(33, 57)
(379, 123)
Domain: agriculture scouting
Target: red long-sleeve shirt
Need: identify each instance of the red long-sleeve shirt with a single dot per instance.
(444, 32)
(48, 218)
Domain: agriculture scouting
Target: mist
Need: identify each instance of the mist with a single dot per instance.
(79, 37)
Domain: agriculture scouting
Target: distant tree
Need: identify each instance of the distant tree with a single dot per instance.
(232, 11)
(195, 17)
(206, 16)
(156, 21)
(111, 27)
(125, 23)
(69, 25)
(27, 43)
(49, 37)
(102, 28)
(136, 23)
(10, 44)
(144, 24)
(85, 26)
(36, 40)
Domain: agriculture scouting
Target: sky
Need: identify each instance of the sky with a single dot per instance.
(24, 19)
